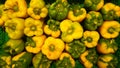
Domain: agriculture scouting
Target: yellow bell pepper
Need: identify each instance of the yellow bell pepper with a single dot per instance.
(107, 46)
(77, 13)
(34, 44)
(52, 28)
(3, 15)
(33, 27)
(16, 8)
(110, 11)
(37, 9)
(94, 5)
(15, 28)
(90, 38)
(110, 29)
(53, 48)
(70, 30)
(107, 61)
(89, 58)
(65, 61)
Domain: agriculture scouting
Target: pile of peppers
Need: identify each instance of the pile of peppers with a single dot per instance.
(59, 34)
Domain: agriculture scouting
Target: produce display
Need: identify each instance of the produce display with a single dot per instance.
(59, 34)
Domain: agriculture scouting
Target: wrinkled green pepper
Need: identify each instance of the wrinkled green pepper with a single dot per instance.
(41, 61)
(13, 47)
(107, 61)
(75, 48)
(58, 10)
(22, 60)
(93, 20)
(5, 60)
(89, 58)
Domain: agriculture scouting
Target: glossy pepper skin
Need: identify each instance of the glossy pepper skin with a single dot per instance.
(90, 38)
(107, 46)
(22, 60)
(77, 13)
(70, 30)
(75, 48)
(37, 9)
(89, 58)
(41, 61)
(53, 47)
(107, 61)
(34, 44)
(58, 10)
(94, 5)
(52, 28)
(3, 15)
(16, 8)
(93, 20)
(13, 46)
(5, 60)
(15, 27)
(109, 29)
(33, 27)
(65, 61)
(110, 11)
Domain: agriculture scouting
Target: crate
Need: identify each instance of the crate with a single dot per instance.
(4, 37)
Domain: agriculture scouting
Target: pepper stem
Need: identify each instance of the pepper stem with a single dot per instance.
(15, 8)
(37, 11)
(70, 30)
(51, 47)
(89, 39)
(111, 30)
(33, 28)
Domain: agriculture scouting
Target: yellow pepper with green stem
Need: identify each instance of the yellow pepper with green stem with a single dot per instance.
(34, 44)
(70, 30)
(16, 8)
(53, 48)
(33, 27)
(37, 9)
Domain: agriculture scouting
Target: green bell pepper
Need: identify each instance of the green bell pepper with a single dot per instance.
(13, 47)
(5, 60)
(75, 48)
(58, 10)
(22, 60)
(41, 61)
(93, 20)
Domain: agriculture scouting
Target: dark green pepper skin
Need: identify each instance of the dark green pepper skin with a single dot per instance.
(13, 47)
(22, 60)
(58, 10)
(75, 48)
(5, 60)
(93, 20)
(41, 61)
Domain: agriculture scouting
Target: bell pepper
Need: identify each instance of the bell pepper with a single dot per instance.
(22, 60)
(110, 11)
(77, 13)
(94, 5)
(53, 47)
(33, 27)
(15, 27)
(65, 61)
(16, 8)
(70, 30)
(13, 46)
(89, 58)
(3, 15)
(107, 46)
(37, 9)
(110, 29)
(34, 44)
(41, 61)
(5, 60)
(93, 20)
(90, 38)
(107, 61)
(58, 10)
(75, 48)
(52, 28)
